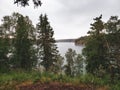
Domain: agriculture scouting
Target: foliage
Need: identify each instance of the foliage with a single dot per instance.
(59, 64)
(5, 44)
(115, 86)
(17, 50)
(82, 40)
(78, 65)
(74, 63)
(46, 44)
(70, 57)
(113, 35)
(23, 54)
(14, 79)
(102, 50)
(95, 50)
(26, 2)
(14, 34)
(4, 49)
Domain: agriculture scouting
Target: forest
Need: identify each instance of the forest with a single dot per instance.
(29, 56)
(25, 48)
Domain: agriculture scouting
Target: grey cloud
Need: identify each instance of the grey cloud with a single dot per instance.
(88, 7)
(69, 18)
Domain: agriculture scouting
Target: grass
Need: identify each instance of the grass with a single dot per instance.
(12, 79)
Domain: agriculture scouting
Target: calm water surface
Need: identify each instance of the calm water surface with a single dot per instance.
(64, 46)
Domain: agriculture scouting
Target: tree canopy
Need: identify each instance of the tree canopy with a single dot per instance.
(48, 51)
(26, 2)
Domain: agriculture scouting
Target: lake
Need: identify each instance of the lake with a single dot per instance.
(64, 46)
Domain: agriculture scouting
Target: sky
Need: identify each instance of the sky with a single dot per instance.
(68, 18)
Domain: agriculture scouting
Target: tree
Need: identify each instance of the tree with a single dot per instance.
(8, 27)
(78, 65)
(4, 50)
(59, 64)
(26, 2)
(46, 44)
(74, 63)
(23, 55)
(112, 37)
(6, 42)
(70, 57)
(95, 50)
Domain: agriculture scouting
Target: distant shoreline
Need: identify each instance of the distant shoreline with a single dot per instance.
(75, 41)
(65, 40)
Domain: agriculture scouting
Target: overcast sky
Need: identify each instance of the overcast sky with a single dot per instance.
(69, 18)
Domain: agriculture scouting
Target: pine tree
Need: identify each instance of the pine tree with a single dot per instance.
(46, 44)
(95, 50)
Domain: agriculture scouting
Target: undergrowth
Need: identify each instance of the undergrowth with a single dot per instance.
(12, 79)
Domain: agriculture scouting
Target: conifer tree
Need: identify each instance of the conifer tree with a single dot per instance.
(46, 44)
(95, 50)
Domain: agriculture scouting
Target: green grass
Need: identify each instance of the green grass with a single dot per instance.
(11, 79)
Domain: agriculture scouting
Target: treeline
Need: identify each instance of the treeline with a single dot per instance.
(82, 40)
(102, 50)
(25, 47)
(65, 40)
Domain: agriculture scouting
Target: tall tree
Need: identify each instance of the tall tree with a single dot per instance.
(95, 49)
(4, 50)
(6, 42)
(112, 37)
(23, 57)
(46, 44)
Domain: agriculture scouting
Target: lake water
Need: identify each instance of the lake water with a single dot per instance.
(64, 46)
